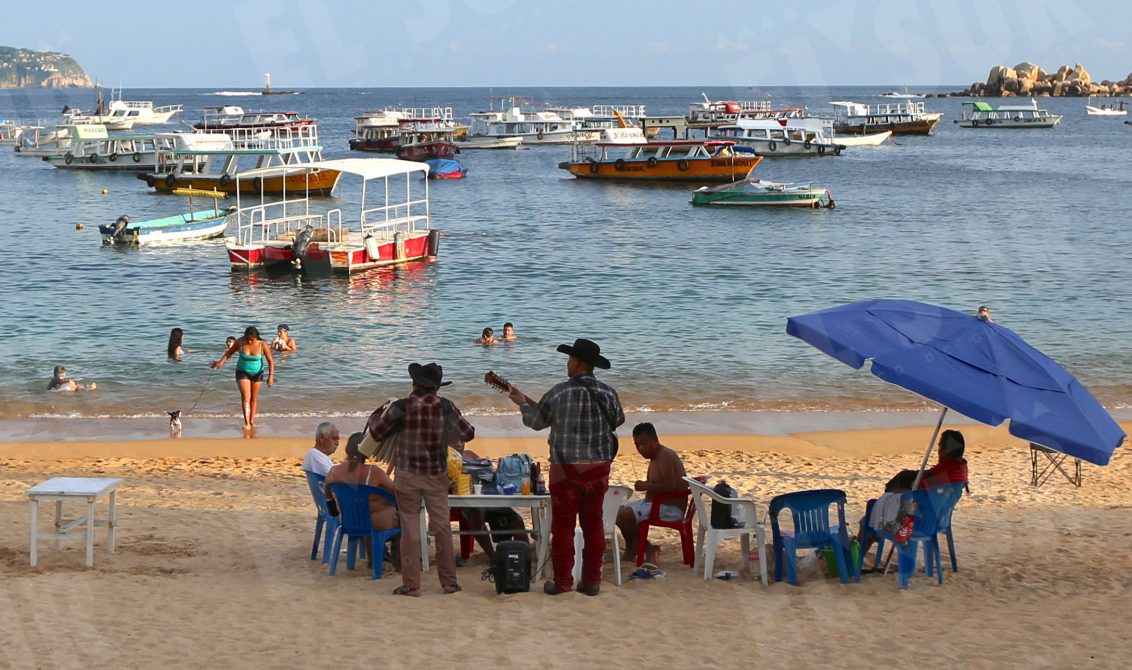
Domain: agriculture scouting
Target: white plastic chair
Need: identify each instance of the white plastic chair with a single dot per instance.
(708, 538)
(615, 497)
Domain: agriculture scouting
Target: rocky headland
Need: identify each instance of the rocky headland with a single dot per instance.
(25, 68)
(1027, 79)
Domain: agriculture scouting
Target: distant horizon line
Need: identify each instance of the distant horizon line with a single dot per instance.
(258, 88)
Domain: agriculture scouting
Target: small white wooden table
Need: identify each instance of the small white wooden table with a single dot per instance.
(62, 489)
(539, 506)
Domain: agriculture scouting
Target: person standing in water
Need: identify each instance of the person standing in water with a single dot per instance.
(252, 351)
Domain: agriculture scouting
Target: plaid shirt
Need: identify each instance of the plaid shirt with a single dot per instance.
(579, 431)
(419, 422)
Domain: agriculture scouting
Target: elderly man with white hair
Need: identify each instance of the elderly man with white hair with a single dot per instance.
(317, 458)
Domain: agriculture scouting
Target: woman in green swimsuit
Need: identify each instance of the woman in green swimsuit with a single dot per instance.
(252, 352)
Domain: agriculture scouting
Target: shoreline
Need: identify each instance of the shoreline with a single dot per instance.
(715, 422)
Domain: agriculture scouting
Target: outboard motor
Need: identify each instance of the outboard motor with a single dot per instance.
(301, 245)
(119, 228)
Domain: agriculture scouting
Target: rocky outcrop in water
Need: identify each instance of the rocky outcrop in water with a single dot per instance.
(24, 68)
(1027, 79)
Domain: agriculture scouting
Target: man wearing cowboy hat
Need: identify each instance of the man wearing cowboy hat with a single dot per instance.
(426, 424)
(582, 414)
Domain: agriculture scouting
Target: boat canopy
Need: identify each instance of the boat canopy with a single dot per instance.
(980, 106)
(366, 168)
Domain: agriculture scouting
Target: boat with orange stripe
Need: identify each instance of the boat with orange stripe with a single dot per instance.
(625, 154)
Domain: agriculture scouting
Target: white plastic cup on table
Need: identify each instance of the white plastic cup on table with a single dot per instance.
(477, 488)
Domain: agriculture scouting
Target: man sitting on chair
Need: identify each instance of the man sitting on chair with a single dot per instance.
(665, 475)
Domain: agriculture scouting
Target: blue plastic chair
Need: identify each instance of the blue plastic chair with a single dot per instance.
(353, 505)
(934, 507)
(325, 519)
(810, 510)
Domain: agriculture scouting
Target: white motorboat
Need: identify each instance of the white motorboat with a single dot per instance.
(783, 137)
(1106, 109)
(533, 127)
(902, 95)
(871, 140)
(482, 142)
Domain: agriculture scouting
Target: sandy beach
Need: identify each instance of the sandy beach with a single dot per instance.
(212, 568)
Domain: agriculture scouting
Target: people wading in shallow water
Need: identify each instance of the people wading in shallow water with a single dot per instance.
(252, 353)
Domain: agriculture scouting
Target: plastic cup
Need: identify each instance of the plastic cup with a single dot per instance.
(477, 488)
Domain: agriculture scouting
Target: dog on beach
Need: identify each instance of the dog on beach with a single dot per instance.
(174, 422)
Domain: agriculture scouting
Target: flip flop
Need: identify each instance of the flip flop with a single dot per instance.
(406, 591)
(455, 589)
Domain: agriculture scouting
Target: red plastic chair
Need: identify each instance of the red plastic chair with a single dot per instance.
(684, 526)
(467, 542)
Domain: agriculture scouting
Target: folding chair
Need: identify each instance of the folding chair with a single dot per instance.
(1044, 462)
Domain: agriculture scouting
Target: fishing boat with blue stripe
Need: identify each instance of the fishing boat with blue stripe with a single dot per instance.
(188, 227)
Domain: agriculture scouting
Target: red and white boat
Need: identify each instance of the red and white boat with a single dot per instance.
(422, 139)
(292, 233)
(380, 131)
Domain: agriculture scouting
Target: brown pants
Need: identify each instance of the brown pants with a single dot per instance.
(433, 489)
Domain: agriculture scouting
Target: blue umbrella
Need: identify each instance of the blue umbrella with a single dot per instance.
(969, 364)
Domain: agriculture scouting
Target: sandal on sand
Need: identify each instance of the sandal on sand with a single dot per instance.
(406, 591)
(647, 571)
(455, 589)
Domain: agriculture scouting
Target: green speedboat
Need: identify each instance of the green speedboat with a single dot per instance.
(751, 192)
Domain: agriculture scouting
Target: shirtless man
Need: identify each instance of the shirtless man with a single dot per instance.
(665, 475)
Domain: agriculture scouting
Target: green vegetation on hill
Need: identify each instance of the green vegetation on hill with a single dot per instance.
(24, 68)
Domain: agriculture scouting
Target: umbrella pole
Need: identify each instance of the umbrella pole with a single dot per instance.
(920, 474)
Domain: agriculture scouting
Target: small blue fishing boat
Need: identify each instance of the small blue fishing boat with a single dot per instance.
(445, 168)
(190, 226)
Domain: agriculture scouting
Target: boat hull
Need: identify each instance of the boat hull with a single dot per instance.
(483, 142)
(922, 127)
(427, 150)
(717, 169)
(190, 227)
(1008, 123)
(755, 193)
(347, 258)
(385, 145)
(141, 160)
(321, 183)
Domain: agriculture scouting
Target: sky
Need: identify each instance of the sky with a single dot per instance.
(415, 43)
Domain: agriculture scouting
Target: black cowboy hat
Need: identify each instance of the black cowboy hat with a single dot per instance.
(427, 376)
(586, 350)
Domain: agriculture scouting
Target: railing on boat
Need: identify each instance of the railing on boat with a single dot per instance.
(259, 224)
(384, 222)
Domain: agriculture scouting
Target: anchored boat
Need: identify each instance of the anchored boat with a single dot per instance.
(624, 153)
(290, 233)
(752, 192)
(979, 114)
(190, 226)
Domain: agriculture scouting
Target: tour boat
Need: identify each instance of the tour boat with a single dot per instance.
(139, 112)
(421, 139)
(190, 226)
(229, 117)
(211, 160)
(979, 114)
(90, 147)
(10, 133)
(532, 127)
(715, 113)
(289, 233)
(752, 192)
(625, 154)
(902, 118)
(809, 136)
(380, 131)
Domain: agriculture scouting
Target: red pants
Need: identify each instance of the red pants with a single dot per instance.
(577, 492)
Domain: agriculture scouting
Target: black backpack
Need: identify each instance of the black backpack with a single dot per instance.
(721, 513)
(511, 568)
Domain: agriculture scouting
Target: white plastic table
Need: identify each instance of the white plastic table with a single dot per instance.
(539, 505)
(62, 489)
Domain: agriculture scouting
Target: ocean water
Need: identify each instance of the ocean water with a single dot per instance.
(689, 304)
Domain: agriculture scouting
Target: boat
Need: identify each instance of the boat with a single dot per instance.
(902, 118)
(590, 121)
(138, 112)
(532, 127)
(190, 226)
(902, 95)
(380, 131)
(75, 116)
(626, 154)
(1106, 109)
(10, 133)
(979, 114)
(873, 140)
(714, 113)
(808, 136)
(421, 139)
(445, 168)
(90, 147)
(56, 141)
(267, 90)
(752, 192)
(466, 142)
(231, 117)
(210, 160)
(287, 233)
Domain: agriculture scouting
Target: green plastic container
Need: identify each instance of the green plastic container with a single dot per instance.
(831, 559)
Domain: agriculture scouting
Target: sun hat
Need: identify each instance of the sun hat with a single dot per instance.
(586, 350)
(427, 376)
